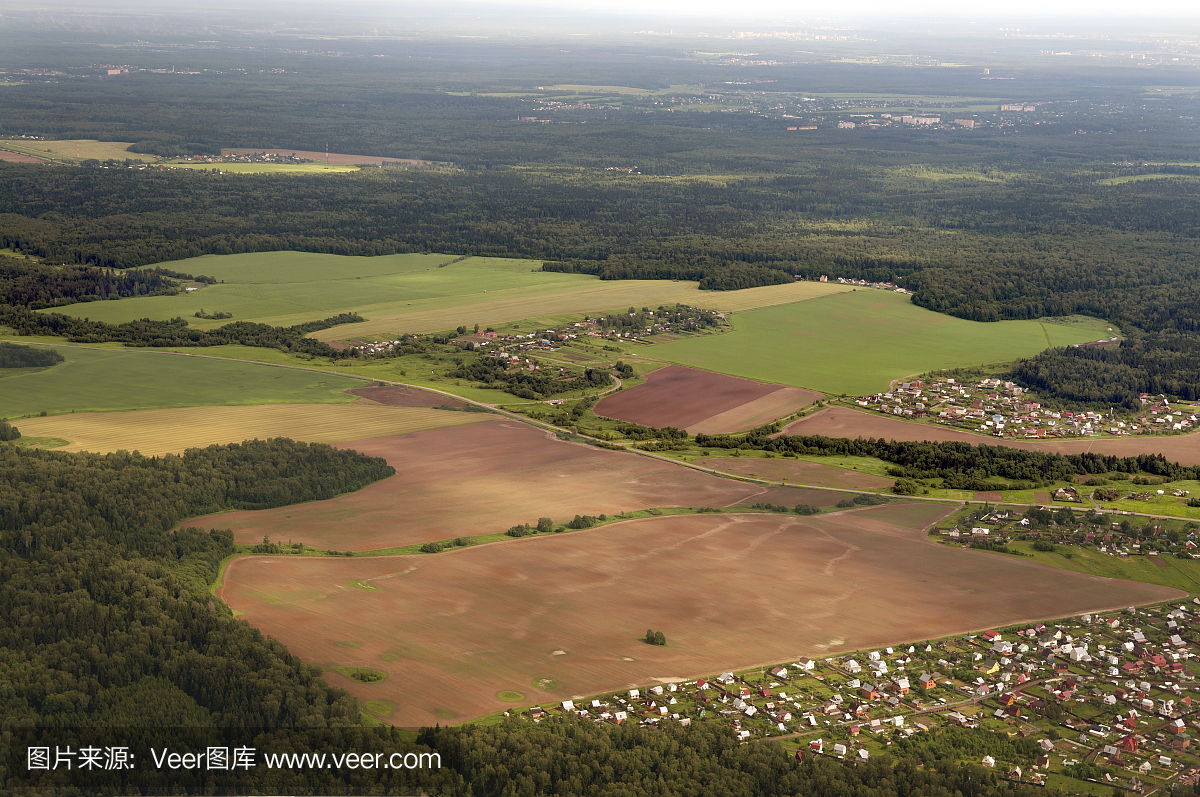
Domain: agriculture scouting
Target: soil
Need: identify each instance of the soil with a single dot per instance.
(688, 398)
(498, 474)
(728, 591)
(395, 396)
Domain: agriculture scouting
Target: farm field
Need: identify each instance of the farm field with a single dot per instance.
(96, 380)
(17, 157)
(172, 431)
(799, 471)
(72, 149)
(554, 618)
(844, 422)
(703, 401)
(410, 293)
(481, 479)
(859, 342)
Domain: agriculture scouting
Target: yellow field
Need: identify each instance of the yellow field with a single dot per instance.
(70, 149)
(167, 431)
(265, 168)
(549, 301)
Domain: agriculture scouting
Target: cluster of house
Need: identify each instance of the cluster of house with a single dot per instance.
(992, 406)
(882, 286)
(1107, 538)
(1113, 691)
(246, 157)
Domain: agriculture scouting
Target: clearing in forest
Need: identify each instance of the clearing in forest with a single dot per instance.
(417, 293)
(858, 342)
(559, 617)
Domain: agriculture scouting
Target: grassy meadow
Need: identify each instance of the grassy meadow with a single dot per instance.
(107, 379)
(72, 149)
(163, 431)
(857, 343)
(412, 293)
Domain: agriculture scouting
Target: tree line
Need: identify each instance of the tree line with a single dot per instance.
(959, 465)
(176, 333)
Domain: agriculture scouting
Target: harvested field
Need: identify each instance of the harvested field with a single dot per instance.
(18, 157)
(480, 480)
(843, 422)
(729, 591)
(397, 396)
(991, 496)
(338, 158)
(703, 401)
(172, 431)
(790, 496)
(792, 470)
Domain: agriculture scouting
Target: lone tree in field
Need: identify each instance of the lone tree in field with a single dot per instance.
(655, 637)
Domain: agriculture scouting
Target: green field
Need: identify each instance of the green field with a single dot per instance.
(1181, 574)
(95, 380)
(412, 293)
(857, 343)
(289, 287)
(75, 149)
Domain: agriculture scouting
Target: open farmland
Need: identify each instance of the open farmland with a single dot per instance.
(172, 431)
(72, 150)
(800, 472)
(703, 401)
(481, 479)
(843, 422)
(410, 293)
(555, 618)
(858, 342)
(98, 380)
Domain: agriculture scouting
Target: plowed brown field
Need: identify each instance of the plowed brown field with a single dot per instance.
(729, 591)
(703, 401)
(480, 482)
(397, 396)
(843, 422)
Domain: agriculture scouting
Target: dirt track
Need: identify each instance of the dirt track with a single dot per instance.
(729, 591)
(843, 422)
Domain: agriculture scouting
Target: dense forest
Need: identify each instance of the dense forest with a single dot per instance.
(959, 465)
(13, 355)
(36, 285)
(1029, 246)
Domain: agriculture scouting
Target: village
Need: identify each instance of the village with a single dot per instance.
(1002, 408)
(1104, 699)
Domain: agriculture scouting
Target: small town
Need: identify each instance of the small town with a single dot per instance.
(1004, 409)
(1104, 699)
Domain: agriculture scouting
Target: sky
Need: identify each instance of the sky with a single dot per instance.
(1081, 10)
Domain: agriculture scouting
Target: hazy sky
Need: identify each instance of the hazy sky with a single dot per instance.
(1081, 10)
